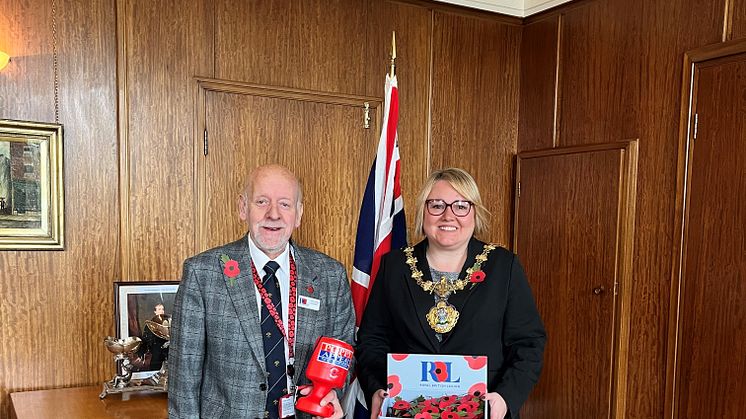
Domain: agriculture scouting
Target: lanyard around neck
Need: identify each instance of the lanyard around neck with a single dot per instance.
(290, 335)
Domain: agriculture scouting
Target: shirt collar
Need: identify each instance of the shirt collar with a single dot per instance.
(260, 258)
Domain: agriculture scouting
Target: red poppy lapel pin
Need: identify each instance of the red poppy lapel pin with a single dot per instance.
(477, 276)
(230, 268)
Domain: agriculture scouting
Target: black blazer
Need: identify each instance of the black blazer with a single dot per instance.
(498, 318)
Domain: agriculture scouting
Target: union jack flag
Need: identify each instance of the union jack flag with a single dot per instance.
(381, 226)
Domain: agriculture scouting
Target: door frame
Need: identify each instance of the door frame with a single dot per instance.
(681, 214)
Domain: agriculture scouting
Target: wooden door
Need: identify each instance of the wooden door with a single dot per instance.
(574, 220)
(710, 326)
(321, 138)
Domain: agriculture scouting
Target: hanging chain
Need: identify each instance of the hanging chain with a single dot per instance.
(55, 64)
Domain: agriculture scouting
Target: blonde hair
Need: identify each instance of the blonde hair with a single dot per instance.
(464, 184)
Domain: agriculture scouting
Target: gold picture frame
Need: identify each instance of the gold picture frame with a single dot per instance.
(31, 186)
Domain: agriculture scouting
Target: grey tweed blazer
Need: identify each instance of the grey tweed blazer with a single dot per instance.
(216, 359)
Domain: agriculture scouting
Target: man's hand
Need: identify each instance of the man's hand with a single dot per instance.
(498, 407)
(330, 397)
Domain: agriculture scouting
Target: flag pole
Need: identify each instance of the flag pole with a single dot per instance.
(393, 53)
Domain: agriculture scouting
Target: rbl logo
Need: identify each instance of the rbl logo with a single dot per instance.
(437, 371)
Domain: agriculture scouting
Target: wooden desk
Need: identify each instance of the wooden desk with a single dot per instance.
(83, 402)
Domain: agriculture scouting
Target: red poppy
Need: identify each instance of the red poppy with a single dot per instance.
(448, 398)
(446, 401)
(310, 289)
(431, 409)
(231, 269)
(402, 405)
(467, 407)
(394, 386)
(478, 389)
(423, 415)
(477, 276)
(476, 362)
(447, 414)
(466, 398)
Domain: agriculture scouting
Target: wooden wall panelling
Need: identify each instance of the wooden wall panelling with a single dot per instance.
(667, 30)
(55, 307)
(314, 44)
(26, 83)
(574, 235)
(413, 42)
(321, 138)
(600, 72)
(619, 65)
(166, 45)
(475, 108)
(703, 371)
(738, 20)
(23, 296)
(538, 90)
(87, 86)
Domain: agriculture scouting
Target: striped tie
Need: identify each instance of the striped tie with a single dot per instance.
(274, 350)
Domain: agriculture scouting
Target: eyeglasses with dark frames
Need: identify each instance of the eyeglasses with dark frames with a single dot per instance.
(459, 208)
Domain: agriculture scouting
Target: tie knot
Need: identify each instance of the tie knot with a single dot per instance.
(271, 267)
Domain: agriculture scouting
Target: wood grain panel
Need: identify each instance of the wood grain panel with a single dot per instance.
(26, 84)
(323, 143)
(91, 261)
(475, 108)
(738, 20)
(55, 306)
(310, 44)
(167, 43)
(711, 319)
(572, 235)
(600, 73)
(413, 28)
(668, 29)
(538, 84)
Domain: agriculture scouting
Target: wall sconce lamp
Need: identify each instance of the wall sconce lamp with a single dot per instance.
(4, 59)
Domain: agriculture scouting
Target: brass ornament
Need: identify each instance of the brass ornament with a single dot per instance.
(443, 316)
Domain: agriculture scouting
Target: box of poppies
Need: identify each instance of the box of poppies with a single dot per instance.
(435, 387)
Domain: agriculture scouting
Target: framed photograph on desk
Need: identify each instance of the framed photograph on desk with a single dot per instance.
(143, 309)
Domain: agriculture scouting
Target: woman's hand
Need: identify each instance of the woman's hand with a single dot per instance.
(498, 407)
(375, 404)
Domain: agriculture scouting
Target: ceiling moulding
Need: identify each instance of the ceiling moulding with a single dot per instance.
(519, 8)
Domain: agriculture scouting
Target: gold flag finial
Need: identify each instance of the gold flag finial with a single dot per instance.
(393, 53)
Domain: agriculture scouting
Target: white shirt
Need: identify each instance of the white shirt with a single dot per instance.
(260, 259)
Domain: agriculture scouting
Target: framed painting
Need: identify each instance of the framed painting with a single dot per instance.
(31, 186)
(143, 309)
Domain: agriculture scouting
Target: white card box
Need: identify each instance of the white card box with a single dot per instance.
(447, 386)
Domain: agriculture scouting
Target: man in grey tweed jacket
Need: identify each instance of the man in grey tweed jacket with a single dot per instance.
(216, 361)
